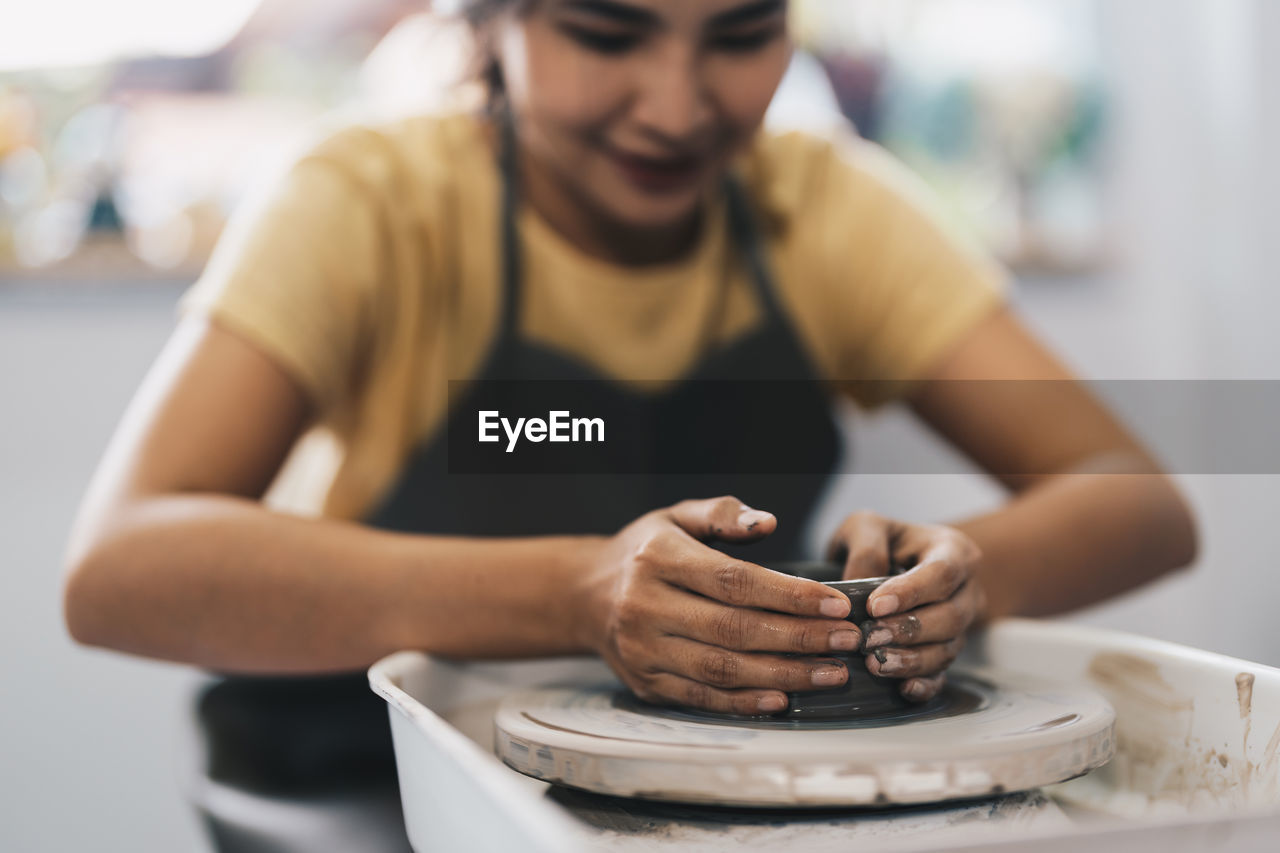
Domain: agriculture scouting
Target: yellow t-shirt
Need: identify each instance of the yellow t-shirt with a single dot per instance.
(371, 273)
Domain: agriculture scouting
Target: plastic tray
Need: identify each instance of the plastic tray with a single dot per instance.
(1196, 765)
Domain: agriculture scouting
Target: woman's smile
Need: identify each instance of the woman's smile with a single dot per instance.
(659, 175)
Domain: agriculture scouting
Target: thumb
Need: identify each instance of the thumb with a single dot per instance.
(726, 518)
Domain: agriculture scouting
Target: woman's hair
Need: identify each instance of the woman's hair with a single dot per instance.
(478, 14)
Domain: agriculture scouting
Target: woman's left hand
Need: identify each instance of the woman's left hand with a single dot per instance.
(919, 618)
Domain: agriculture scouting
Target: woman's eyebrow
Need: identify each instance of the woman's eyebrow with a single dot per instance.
(614, 11)
(748, 13)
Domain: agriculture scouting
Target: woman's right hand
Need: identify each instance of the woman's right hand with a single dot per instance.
(684, 624)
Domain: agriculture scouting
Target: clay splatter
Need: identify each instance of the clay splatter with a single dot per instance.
(1244, 699)
(1244, 693)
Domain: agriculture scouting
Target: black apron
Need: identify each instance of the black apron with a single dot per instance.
(285, 759)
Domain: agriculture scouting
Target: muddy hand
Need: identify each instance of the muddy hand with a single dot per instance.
(919, 618)
(684, 624)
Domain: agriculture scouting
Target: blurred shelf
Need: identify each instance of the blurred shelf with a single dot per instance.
(101, 274)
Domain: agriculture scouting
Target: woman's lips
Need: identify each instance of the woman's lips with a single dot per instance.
(658, 174)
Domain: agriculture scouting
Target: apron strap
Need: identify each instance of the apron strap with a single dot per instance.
(747, 236)
(512, 267)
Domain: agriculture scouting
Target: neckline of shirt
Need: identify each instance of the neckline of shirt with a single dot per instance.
(540, 236)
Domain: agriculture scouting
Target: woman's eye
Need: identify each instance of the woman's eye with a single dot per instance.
(602, 41)
(745, 42)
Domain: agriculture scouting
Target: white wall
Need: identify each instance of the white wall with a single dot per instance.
(1194, 179)
(1194, 191)
(90, 741)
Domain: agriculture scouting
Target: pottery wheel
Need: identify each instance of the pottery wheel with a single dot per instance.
(989, 733)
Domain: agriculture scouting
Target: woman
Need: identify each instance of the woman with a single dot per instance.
(617, 216)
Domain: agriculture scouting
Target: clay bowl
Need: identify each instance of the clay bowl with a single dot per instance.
(864, 694)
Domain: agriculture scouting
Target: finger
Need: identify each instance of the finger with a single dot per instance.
(724, 518)
(717, 576)
(737, 670)
(682, 561)
(943, 569)
(748, 630)
(665, 688)
(897, 662)
(862, 545)
(923, 689)
(933, 623)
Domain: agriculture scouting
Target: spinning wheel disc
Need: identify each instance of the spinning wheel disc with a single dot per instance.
(990, 733)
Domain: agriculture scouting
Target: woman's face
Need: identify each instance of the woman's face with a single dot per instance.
(635, 106)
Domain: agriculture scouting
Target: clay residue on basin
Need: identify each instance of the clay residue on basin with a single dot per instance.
(1153, 724)
(1134, 679)
(1159, 764)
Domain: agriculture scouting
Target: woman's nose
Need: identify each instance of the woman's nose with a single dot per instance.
(672, 101)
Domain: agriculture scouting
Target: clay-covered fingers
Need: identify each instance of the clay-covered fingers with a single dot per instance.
(947, 559)
(724, 518)
(914, 661)
(923, 689)
(919, 618)
(933, 623)
(749, 630)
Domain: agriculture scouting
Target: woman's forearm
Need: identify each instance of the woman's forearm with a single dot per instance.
(225, 584)
(1076, 539)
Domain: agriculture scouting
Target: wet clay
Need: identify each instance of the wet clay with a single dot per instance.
(961, 695)
(864, 695)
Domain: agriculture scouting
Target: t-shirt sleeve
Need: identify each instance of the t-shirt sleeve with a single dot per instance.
(293, 275)
(903, 286)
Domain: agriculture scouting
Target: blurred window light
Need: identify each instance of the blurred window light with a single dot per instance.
(63, 33)
(1004, 36)
(24, 178)
(982, 36)
(1001, 105)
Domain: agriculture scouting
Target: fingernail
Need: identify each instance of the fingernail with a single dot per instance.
(914, 689)
(844, 641)
(772, 704)
(828, 676)
(889, 664)
(835, 607)
(884, 605)
(879, 637)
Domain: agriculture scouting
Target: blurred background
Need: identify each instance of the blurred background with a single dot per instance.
(1118, 156)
